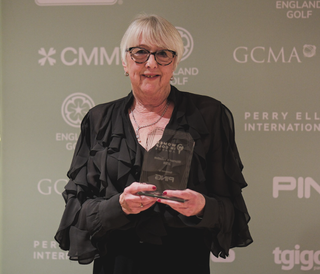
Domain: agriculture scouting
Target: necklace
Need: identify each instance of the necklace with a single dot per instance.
(148, 125)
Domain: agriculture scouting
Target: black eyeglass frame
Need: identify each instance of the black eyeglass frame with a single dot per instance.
(153, 53)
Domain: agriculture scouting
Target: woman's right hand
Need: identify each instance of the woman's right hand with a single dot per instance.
(132, 203)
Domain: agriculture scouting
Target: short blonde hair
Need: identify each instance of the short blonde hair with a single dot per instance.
(156, 31)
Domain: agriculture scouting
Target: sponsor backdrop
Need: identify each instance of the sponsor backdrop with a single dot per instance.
(260, 58)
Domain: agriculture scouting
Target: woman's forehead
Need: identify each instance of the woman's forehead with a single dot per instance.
(149, 42)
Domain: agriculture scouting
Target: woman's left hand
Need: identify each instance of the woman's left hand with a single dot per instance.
(193, 205)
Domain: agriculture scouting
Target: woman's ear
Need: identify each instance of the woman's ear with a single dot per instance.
(124, 66)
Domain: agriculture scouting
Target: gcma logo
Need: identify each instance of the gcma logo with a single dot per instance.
(309, 50)
(187, 42)
(262, 54)
(47, 56)
(74, 107)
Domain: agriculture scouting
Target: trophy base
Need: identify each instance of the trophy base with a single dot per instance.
(160, 195)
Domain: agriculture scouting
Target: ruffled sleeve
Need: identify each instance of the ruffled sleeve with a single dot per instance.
(74, 195)
(225, 184)
(216, 173)
(92, 201)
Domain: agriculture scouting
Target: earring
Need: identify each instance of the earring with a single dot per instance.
(126, 74)
(172, 78)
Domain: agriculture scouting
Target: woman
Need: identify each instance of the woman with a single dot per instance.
(105, 219)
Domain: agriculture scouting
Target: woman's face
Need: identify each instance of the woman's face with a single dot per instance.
(149, 81)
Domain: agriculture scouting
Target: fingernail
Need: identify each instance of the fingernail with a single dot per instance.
(164, 193)
(158, 200)
(154, 187)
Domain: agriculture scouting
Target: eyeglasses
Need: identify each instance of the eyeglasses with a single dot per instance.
(163, 57)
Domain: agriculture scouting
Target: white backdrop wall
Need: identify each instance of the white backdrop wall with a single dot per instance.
(260, 58)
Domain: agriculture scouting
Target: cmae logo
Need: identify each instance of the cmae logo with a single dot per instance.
(79, 56)
(187, 42)
(74, 107)
(229, 259)
(303, 186)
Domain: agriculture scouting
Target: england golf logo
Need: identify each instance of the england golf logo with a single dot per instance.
(187, 42)
(74, 107)
(182, 74)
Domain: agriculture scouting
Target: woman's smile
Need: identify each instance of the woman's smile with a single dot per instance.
(151, 76)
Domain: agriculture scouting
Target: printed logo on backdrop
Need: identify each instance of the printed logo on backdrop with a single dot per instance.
(71, 56)
(306, 260)
(282, 121)
(229, 259)
(265, 55)
(298, 9)
(49, 187)
(187, 42)
(48, 250)
(99, 56)
(75, 2)
(47, 56)
(73, 109)
(182, 74)
(301, 187)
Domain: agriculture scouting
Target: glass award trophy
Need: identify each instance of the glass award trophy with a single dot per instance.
(167, 163)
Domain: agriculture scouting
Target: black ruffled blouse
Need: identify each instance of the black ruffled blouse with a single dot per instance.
(108, 158)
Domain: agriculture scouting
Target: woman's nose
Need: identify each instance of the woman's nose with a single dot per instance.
(152, 61)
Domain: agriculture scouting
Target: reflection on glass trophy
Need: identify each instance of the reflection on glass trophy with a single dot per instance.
(167, 161)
